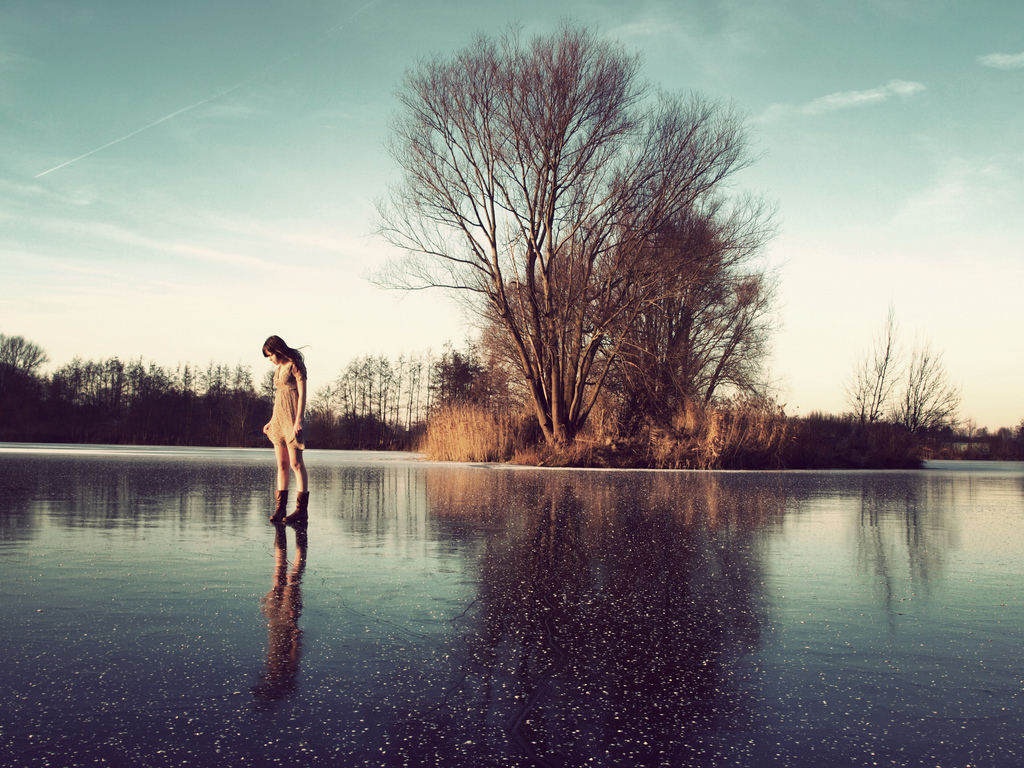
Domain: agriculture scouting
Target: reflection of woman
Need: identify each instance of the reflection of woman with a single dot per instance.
(285, 428)
(282, 606)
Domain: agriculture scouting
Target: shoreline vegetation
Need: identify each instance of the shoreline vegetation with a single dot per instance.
(734, 435)
(451, 407)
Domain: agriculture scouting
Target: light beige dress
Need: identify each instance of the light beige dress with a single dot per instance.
(286, 405)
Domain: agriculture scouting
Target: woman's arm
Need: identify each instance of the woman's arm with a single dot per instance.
(300, 410)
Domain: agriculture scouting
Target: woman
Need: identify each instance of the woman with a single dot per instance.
(285, 427)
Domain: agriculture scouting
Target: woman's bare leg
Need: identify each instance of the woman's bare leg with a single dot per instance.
(299, 467)
(283, 466)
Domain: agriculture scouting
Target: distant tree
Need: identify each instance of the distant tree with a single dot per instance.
(870, 387)
(20, 361)
(456, 377)
(927, 399)
(322, 404)
(537, 178)
(22, 388)
(1003, 441)
(416, 388)
(969, 430)
(22, 355)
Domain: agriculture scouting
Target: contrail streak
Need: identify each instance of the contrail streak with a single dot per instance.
(143, 128)
(208, 99)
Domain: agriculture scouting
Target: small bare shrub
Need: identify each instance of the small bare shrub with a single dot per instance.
(825, 441)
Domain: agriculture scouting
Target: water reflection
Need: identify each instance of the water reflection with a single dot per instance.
(901, 537)
(83, 490)
(282, 606)
(612, 612)
(468, 616)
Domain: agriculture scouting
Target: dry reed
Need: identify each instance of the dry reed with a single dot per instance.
(469, 432)
(737, 434)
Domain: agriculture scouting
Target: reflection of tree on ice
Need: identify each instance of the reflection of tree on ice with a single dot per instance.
(282, 606)
(612, 617)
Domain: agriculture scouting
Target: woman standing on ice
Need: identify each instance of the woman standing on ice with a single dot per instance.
(285, 428)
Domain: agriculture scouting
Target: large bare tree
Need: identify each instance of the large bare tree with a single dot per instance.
(536, 177)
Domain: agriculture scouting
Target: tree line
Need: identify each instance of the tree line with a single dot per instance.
(112, 401)
(379, 403)
(373, 403)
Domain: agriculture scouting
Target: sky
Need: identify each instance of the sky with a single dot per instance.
(179, 181)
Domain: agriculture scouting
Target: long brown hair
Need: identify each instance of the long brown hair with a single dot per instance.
(275, 345)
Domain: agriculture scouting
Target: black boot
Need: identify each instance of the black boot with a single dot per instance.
(300, 516)
(281, 497)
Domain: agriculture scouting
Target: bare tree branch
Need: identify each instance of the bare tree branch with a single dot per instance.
(928, 400)
(869, 389)
(539, 177)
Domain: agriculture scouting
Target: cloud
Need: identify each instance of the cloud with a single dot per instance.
(710, 36)
(772, 114)
(981, 194)
(102, 235)
(842, 100)
(1002, 60)
(849, 99)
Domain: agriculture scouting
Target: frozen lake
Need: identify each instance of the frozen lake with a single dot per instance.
(455, 615)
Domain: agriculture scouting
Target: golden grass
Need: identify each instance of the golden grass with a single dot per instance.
(577, 454)
(738, 434)
(468, 432)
